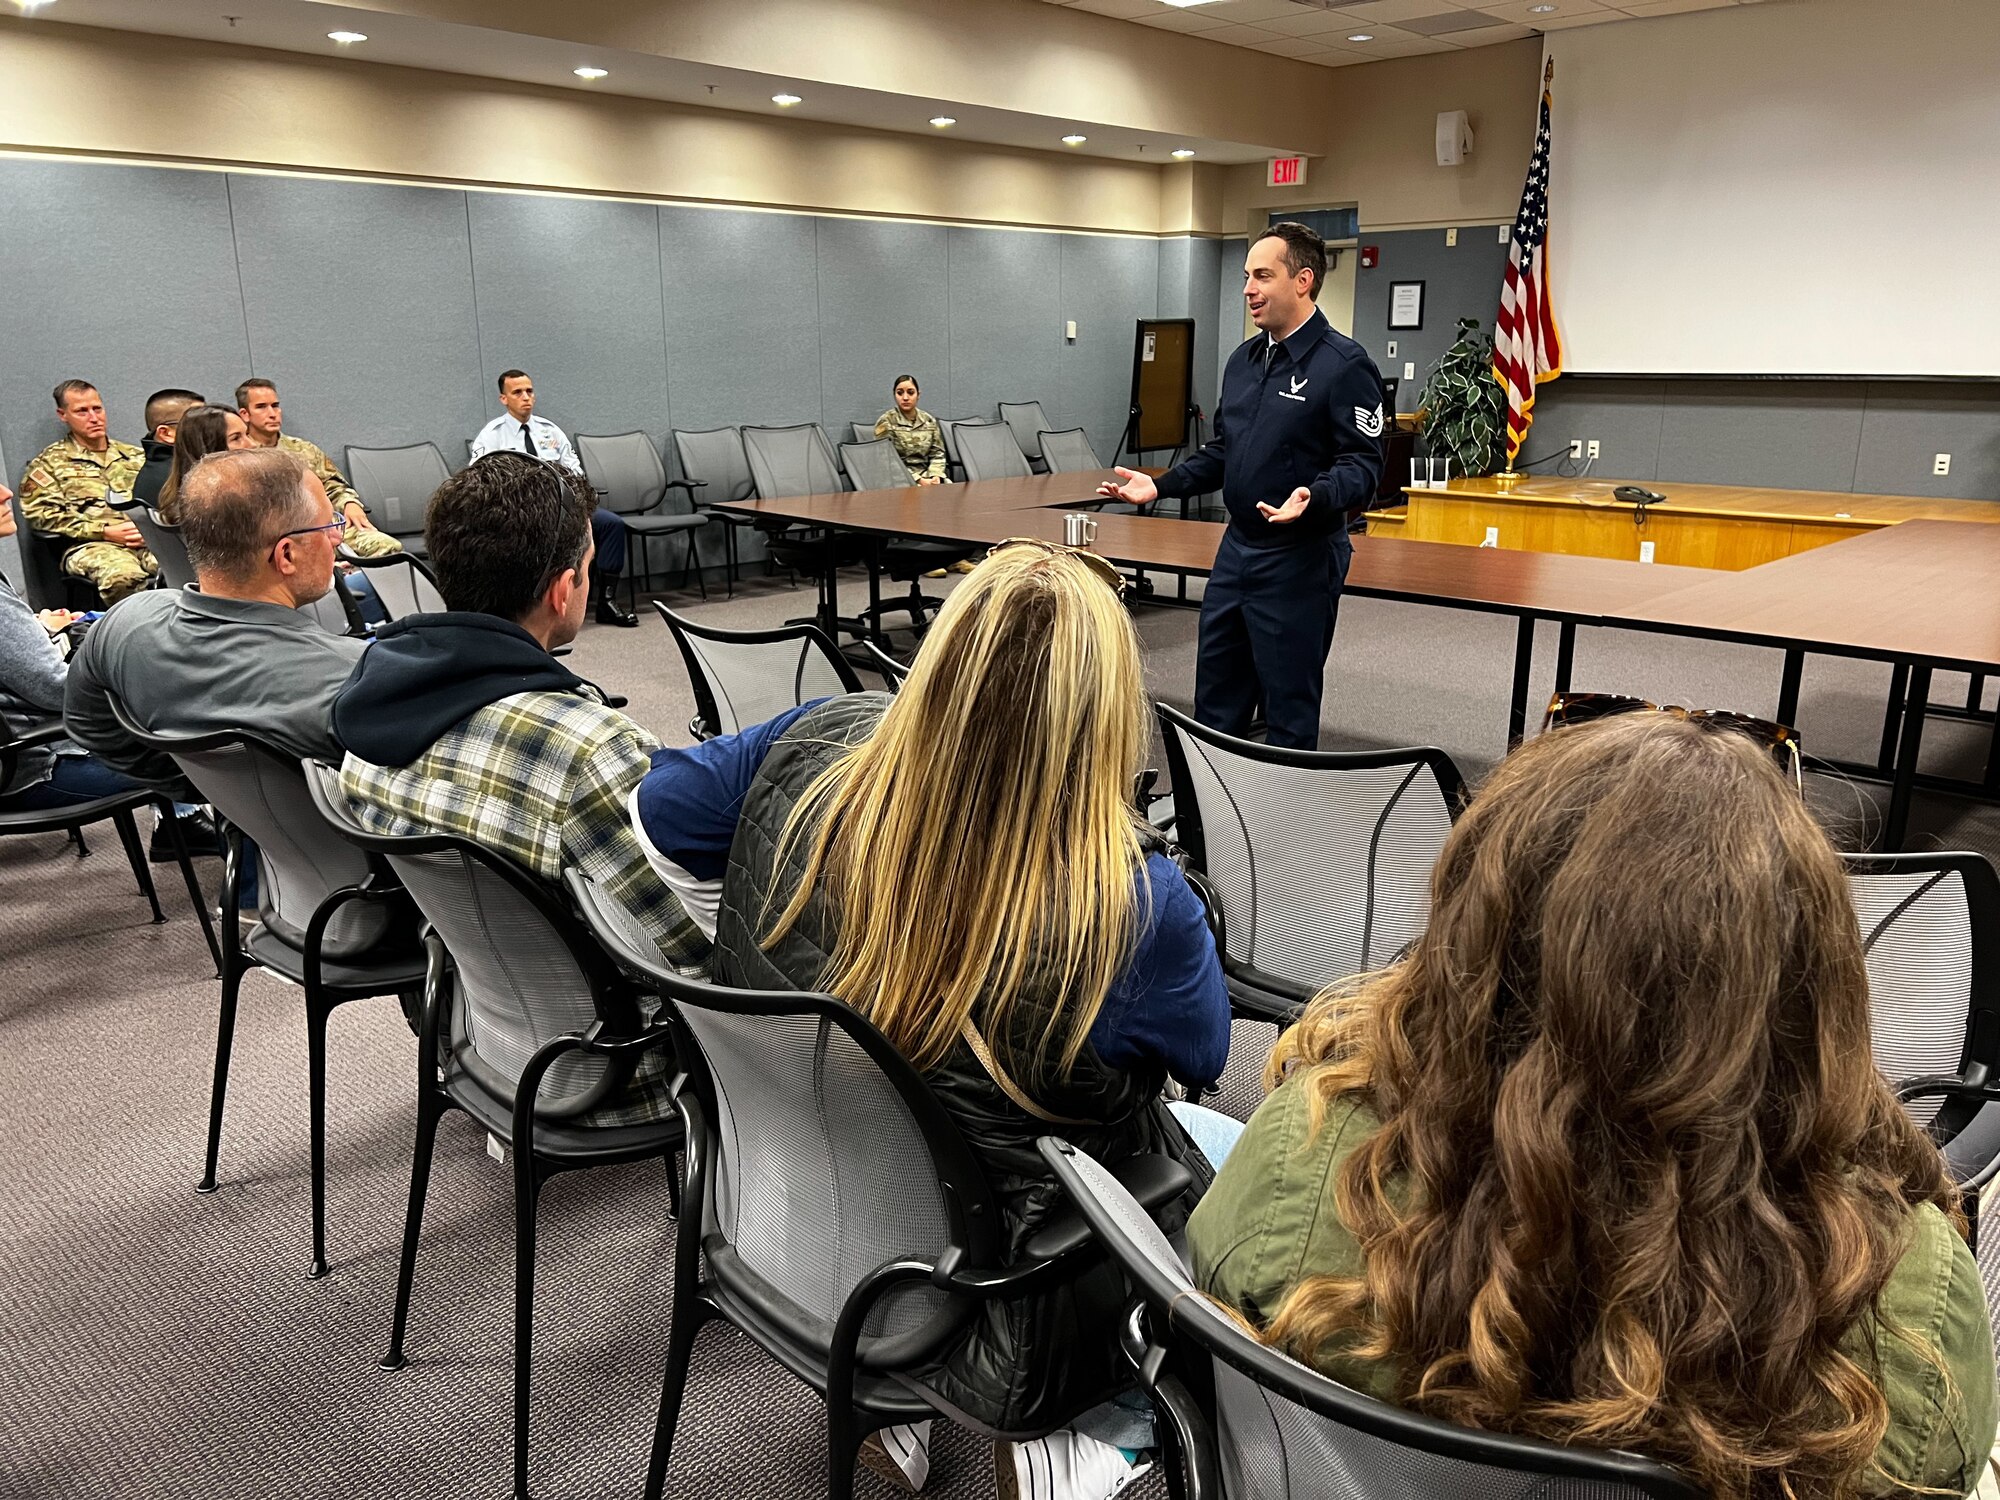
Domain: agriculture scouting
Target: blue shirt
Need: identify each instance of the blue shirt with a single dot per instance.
(1170, 1004)
(1306, 411)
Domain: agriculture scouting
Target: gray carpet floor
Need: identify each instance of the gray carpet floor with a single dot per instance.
(162, 1344)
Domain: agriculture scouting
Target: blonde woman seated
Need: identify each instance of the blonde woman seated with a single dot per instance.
(1606, 1159)
(964, 860)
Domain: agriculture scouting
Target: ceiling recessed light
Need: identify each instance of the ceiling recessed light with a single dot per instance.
(786, 101)
(591, 72)
(942, 120)
(1184, 4)
(1540, 10)
(347, 38)
(1075, 140)
(1183, 154)
(1362, 36)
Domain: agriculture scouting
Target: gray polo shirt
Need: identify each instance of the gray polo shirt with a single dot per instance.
(181, 662)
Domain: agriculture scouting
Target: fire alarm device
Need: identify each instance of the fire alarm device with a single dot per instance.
(1371, 255)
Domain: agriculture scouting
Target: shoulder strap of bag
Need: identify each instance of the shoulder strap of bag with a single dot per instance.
(1007, 1085)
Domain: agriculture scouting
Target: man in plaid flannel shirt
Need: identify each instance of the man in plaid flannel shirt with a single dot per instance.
(462, 722)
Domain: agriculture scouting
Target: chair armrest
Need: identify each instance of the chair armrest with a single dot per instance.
(1265, 997)
(50, 733)
(690, 485)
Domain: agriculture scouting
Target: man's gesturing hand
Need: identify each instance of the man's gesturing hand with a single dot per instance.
(1133, 487)
(1294, 507)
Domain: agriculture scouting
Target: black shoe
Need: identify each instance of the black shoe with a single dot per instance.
(202, 841)
(611, 612)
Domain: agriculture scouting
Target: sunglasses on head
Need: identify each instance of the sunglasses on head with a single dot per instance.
(1780, 739)
(1091, 560)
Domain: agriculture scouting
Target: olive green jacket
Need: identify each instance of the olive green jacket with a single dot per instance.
(1269, 1222)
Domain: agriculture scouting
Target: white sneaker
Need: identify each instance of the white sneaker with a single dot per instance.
(1062, 1466)
(901, 1455)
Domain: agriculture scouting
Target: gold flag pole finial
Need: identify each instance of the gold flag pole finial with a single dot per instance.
(1549, 73)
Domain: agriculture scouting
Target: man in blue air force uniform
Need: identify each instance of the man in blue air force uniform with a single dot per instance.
(519, 430)
(1298, 444)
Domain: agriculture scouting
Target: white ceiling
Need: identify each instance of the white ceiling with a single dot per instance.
(1307, 31)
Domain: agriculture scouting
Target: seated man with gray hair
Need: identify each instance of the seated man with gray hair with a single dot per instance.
(236, 653)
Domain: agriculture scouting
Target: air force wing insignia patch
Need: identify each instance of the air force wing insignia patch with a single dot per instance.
(1370, 422)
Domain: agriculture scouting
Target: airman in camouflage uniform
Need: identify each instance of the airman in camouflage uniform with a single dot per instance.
(918, 438)
(257, 404)
(63, 493)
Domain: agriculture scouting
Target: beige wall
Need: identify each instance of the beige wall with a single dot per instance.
(84, 90)
(1382, 155)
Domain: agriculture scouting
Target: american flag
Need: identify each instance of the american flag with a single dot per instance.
(1526, 348)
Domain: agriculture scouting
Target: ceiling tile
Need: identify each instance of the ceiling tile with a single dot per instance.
(1390, 42)
(1566, 12)
(1282, 46)
(1487, 36)
(1257, 12)
(1311, 22)
(1389, 12)
(1195, 19)
(1668, 7)
(1334, 59)
(1124, 10)
(1239, 36)
(1446, 24)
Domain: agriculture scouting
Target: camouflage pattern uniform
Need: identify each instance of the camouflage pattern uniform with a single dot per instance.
(919, 441)
(63, 492)
(358, 540)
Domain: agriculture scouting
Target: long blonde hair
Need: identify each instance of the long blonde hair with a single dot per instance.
(1637, 1176)
(983, 838)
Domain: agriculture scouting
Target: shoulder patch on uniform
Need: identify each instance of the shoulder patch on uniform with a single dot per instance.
(1370, 422)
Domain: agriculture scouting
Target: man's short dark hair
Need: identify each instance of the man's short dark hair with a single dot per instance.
(71, 388)
(504, 528)
(234, 507)
(507, 375)
(1304, 251)
(169, 405)
(254, 383)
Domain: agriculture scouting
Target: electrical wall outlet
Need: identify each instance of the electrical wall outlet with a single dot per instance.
(1451, 237)
(1941, 464)
(1392, 348)
(1590, 448)
(1576, 447)
(1492, 537)
(1506, 233)
(1409, 371)
(1645, 552)
(1069, 330)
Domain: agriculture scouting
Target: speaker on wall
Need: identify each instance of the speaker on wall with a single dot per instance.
(1454, 138)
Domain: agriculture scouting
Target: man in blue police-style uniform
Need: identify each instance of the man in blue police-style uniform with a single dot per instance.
(1298, 444)
(519, 430)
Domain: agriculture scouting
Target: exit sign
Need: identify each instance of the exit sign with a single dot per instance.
(1286, 171)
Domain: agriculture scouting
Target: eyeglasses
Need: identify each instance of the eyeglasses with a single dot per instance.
(336, 528)
(1780, 739)
(1090, 560)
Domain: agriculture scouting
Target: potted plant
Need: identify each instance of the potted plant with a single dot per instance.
(1464, 410)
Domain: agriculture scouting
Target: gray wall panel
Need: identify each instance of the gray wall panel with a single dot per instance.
(1108, 284)
(1623, 415)
(121, 275)
(742, 301)
(1006, 324)
(1906, 426)
(884, 311)
(359, 301)
(1189, 271)
(569, 290)
(1802, 437)
(1461, 280)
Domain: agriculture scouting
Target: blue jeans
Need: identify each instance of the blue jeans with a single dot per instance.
(73, 780)
(1210, 1129)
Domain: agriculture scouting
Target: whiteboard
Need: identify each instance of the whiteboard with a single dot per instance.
(1803, 187)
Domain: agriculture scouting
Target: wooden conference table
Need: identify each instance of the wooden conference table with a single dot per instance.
(1918, 596)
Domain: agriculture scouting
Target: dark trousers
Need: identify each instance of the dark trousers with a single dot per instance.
(72, 780)
(609, 532)
(1266, 627)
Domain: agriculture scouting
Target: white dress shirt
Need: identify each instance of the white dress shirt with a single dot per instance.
(503, 433)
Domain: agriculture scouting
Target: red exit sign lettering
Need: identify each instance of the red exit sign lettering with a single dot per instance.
(1286, 171)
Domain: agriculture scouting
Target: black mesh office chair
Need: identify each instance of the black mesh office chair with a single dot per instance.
(744, 677)
(876, 465)
(329, 920)
(403, 582)
(631, 481)
(1275, 1429)
(988, 451)
(397, 485)
(832, 1210)
(163, 540)
(529, 1029)
(44, 584)
(1318, 864)
(719, 472)
(1026, 421)
(1069, 451)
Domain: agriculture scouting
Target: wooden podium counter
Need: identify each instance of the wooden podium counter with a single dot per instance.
(1700, 525)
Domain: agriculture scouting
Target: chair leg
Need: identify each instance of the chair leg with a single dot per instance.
(430, 1109)
(688, 1313)
(527, 1192)
(673, 1186)
(128, 834)
(694, 566)
(317, 1011)
(193, 883)
(82, 848)
(844, 1433)
(225, 1036)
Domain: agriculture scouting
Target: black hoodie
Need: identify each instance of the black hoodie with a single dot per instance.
(427, 674)
(153, 474)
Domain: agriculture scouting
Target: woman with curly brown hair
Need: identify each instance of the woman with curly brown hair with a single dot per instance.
(1605, 1160)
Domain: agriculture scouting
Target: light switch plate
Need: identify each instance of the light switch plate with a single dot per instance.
(1392, 348)
(1451, 237)
(1409, 372)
